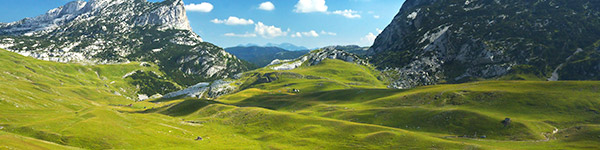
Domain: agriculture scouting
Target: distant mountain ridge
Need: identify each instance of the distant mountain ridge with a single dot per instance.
(286, 46)
(115, 31)
(454, 41)
(262, 56)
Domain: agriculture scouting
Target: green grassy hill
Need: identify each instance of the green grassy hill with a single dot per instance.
(327, 75)
(48, 105)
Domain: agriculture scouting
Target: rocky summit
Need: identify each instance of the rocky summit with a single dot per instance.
(454, 41)
(117, 31)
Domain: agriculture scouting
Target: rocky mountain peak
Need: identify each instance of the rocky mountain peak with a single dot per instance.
(410, 4)
(171, 14)
(453, 41)
(70, 8)
(53, 18)
(128, 13)
(118, 31)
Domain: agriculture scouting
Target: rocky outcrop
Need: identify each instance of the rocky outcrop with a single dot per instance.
(205, 90)
(197, 91)
(315, 57)
(430, 41)
(286, 64)
(354, 49)
(119, 31)
(262, 56)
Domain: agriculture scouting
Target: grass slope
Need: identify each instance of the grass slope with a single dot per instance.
(467, 111)
(461, 112)
(327, 75)
(47, 105)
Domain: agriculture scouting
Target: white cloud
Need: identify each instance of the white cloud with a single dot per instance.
(308, 6)
(240, 35)
(260, 29)
(202, 7)
(328, 33)
(376, 16)
(268, 31)
(369, 38)
(233, 21)
(311, 33)
(268, 6)
(297, 34)
(348, 13)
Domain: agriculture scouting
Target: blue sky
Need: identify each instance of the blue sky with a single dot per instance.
(309, 23)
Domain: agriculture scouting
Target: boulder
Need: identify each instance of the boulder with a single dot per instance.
(506, 122)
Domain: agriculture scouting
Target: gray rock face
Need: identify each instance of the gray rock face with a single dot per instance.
(455, 41)
(118, 31)
(315, 57)
(354, 49)
(85, 31)
(197, 91)
(205, 90)
(51, 20)
(168, 14)
(287, 64)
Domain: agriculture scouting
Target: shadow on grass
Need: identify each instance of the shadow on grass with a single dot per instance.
(304, 100)
(183, 108)
(160, 100)
(94, 143)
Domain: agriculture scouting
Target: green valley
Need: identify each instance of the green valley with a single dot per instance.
(346, 75)
(340, 105)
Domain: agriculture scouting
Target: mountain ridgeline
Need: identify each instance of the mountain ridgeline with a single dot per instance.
(262, 56)
(287, 46)
(454, 41)
(110, 31)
